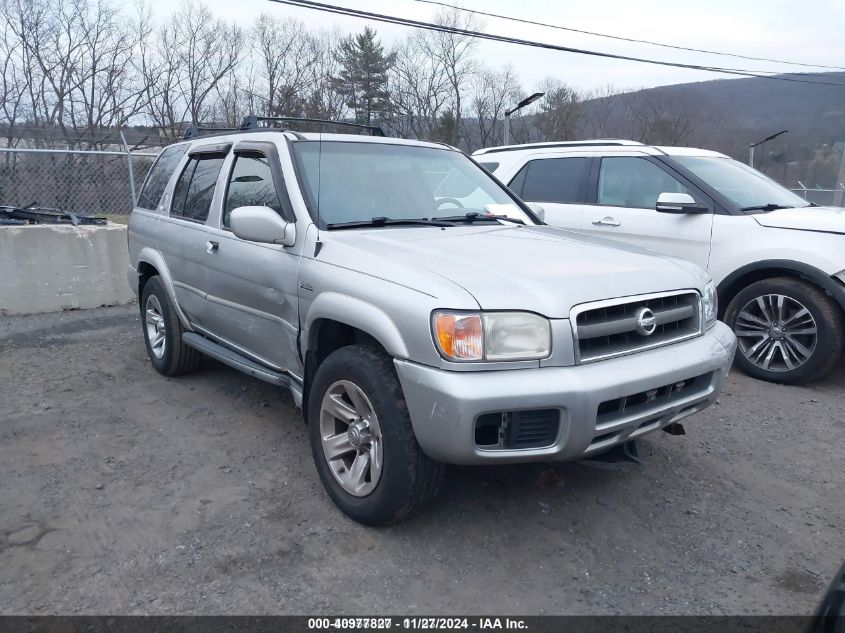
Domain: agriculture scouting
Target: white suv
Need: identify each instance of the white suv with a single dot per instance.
(779, 262)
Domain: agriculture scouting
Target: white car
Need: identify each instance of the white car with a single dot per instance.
(778, 261)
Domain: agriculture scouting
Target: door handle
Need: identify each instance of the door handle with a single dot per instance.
(211, 247)
(607, 221)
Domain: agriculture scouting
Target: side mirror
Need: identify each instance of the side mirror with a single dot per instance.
(263, 225)
(678, 203)
(538, 210)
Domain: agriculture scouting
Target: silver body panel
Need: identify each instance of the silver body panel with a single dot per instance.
(263, 301)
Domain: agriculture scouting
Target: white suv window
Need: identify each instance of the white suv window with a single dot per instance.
(628, 181)
(560, 180)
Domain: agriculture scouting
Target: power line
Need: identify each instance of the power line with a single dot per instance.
(628, 39)
(389, 19)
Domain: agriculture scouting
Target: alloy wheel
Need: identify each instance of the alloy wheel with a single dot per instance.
(351, 438)
(776, 333)
(154, 322)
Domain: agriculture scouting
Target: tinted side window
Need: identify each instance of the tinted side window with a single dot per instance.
(627, 181)
(195, 188)
(159, 174)
(561, 180)
(250, 184)
(518, 181)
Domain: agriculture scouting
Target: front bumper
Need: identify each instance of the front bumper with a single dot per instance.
(445, 404)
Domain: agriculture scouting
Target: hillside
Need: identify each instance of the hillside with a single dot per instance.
(726, 115)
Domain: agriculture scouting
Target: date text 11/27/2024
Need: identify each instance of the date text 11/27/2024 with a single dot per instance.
(417, 623)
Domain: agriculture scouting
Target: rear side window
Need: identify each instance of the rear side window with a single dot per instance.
(159, 175)
(561, 180)
(195, 188)
(250, 184)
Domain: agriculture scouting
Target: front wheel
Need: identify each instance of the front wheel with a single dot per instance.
(788, 331)
(362, 440)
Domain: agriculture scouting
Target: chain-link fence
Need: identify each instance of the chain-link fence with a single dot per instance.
(104, 183)
(94, 183)
(824, 197)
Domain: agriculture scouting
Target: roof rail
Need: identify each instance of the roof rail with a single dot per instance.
(251, 122)
(195, 131)
(586, 143)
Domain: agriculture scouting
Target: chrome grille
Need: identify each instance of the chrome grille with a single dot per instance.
(610, 328)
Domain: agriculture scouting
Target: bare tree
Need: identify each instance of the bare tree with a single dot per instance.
(13, 89)
(454, 52)
(600, 117)
(285, 54)
(207, 50)
(324, 100)
(109, 94)
(420, 88)
(492, 93)
(560, 111)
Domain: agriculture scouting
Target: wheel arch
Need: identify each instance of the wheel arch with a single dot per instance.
(767, 269)
(335, 320)
(150, 263)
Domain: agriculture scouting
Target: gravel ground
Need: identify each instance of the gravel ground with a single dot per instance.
(124, 492)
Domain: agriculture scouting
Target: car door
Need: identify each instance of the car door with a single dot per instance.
(622, 204)
(558, 184)
(253, 287)
(184, 243)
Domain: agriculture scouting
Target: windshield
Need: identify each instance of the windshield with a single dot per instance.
(356, 182)
(744, 186)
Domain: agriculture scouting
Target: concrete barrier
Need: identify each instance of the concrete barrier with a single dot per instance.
(45, 268)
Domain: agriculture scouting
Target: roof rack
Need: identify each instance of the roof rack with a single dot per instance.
(195, 131)
(586, 143)
(251, 122)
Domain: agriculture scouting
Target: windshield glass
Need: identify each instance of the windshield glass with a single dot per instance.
(744, 186)
(354, 182)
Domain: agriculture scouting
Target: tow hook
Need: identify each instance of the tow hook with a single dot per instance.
(676, 428)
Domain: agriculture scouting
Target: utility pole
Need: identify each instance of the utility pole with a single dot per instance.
(751, 146)
(517, 108)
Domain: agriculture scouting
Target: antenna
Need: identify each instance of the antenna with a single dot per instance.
(319, 245)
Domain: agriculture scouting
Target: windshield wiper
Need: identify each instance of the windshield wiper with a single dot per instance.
(766, 207)
(383, 221)
(474, 216)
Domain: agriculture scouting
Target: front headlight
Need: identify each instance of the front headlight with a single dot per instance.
(711, 303)
(491, 336)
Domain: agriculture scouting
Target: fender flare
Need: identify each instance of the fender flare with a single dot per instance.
(821, 279)
(358, 314)
(152, 257)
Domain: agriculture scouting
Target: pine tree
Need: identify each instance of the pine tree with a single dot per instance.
(363, 76)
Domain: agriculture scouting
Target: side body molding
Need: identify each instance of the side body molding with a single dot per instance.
(359, 314)
(151, 256)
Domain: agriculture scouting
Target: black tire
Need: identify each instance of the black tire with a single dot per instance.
(409, 479)
(828, 320)
(177, 358)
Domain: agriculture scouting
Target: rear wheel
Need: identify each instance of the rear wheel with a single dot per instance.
(787, 330)
(362, 440)
(163, 332)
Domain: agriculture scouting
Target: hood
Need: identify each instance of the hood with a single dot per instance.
(540, 269)
(823, 219)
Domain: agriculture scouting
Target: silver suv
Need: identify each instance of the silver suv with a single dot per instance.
(417, 310)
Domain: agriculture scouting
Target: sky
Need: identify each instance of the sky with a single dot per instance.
(809, 32)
